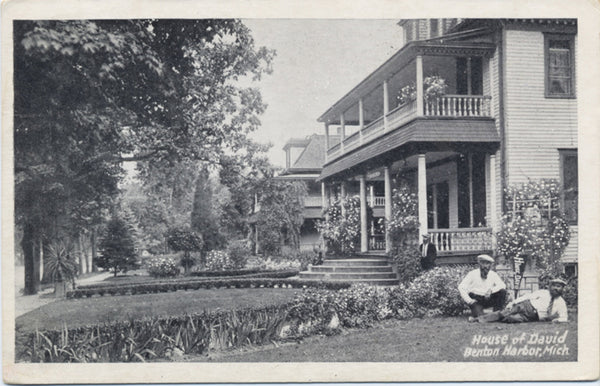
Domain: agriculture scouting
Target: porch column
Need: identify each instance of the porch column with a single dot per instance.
(372, 196)
(388, 206)
(324, 203)
(361, 120)
(364, 241)
(386, 105)
(326, 141)
(493, 214)
(419, 64)
(343, 197)
(470, 162)
(342, 132)
(469, 81)
(422, 194)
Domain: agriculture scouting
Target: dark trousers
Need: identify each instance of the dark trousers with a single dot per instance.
(496, 300)
(518, 313)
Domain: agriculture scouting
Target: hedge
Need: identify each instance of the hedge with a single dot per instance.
(264, 274)
(144, 288)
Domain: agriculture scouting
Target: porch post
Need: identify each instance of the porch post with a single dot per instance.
(326, 141)
(493, 215)
(470, 162)
(372, 196)
(422, 194)
(388, 206)
(469, 81)
(324, 203)
(386, 105)
(343, 197)
(342, 132)
(361, 120)
(419, 64)
(364, 242)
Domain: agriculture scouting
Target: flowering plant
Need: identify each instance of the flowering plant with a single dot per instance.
(433, 87)
(218, 261)
(162, 266)
(342, 232)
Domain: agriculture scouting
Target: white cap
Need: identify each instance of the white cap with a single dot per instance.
(485, 258)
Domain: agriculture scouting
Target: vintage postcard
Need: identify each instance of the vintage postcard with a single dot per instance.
(299, 191)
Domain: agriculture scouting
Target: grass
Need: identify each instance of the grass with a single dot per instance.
(87, 311)
(416, 340)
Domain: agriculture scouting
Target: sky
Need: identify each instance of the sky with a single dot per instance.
(317, 62)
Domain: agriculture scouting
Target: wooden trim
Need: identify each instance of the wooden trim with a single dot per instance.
(570, 38)
(562, 153)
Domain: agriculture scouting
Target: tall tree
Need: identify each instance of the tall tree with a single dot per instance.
(91, 94)
(204, 219)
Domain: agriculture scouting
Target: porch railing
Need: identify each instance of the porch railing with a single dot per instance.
(462, 239)
(458, 106)
(376, 201)
(377, 242)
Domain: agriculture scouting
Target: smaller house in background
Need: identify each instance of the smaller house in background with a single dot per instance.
(304, 160)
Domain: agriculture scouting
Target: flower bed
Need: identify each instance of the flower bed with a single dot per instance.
(315, 310)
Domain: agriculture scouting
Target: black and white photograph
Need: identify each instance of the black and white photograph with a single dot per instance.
(253, 195)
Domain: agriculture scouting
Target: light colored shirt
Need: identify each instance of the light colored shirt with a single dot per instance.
(540, 300)
(473, 282)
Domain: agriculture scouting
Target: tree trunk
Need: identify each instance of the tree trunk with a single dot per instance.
(94, 251)
(31, 260)
(83, 267)
(41, 247)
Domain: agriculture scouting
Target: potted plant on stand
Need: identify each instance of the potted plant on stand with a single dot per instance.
(61, 267)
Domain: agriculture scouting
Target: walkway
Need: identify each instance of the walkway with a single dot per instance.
(24, 304)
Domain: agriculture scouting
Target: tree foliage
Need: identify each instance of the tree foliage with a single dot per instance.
(340, 230)
(184, 239)
(117, 247)
(92, 94)
(280, 216)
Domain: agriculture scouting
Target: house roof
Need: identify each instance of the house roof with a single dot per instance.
(312, 157)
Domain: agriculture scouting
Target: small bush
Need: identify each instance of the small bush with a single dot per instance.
(302, 257)
(570, 292)
(162, 266)
(238, 252)
(218, 261)
(408, 260)
(435, 292)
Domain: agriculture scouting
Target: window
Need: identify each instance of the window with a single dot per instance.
(569, 181)
(434, 28)
(560, 66)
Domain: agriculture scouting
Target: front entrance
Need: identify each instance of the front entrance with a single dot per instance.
(438, 205)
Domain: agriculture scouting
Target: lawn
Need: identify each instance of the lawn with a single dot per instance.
(78, 312)
(416, 340)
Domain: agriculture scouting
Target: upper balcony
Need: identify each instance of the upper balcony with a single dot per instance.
(423, 80)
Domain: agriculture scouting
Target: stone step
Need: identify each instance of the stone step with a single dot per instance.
(355, 262)
(344, 276)
(390, 282)
(366, 269)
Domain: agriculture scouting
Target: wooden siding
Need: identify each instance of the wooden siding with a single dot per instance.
(535, 126)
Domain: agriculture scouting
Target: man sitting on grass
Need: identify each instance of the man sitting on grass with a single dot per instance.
(542, 305)
(482, 288)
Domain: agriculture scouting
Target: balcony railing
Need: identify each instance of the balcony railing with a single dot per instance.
(457, 106)
(462, 239)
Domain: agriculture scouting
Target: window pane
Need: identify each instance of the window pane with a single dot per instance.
(559, 67)
(570, 186)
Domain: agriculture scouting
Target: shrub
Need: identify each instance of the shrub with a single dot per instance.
(435, 292)
(570, 292)
(407, 259)
(218, 261)
(277, 263)
(238, 252)
(303, 258)
(162, 266)
(342, 233)
(183, 239)
(117, 246)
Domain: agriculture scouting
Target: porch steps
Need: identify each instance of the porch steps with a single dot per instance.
(373, 271)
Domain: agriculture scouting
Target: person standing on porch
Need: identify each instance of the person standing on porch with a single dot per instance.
(482, 288)
(428, 253)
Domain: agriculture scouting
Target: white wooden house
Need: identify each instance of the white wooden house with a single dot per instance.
(508, 115)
